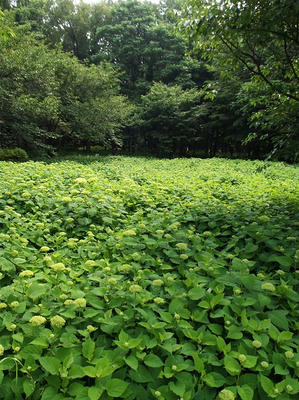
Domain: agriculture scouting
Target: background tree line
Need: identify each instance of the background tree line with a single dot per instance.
(201, 79)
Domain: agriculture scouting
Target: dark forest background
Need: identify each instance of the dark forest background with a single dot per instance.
(169, 80)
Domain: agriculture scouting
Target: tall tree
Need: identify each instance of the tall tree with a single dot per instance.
(143, 45)
(261, 37)
(48, 98)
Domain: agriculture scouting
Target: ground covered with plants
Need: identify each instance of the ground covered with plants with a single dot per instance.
(132, 278)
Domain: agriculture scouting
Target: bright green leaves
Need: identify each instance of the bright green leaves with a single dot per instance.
(214, 379)
(116, 387)
(245, 392)
(268, 386)
(232, 366)
(196, 293)
(94, 393)
(213, 329)
(104, 368)
(153, 361)
(178, 388)
(50, 364)
(37, 290)
(28, 387)
(132, 362)
(88, 349)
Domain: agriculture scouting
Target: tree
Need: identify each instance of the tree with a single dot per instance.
(139, 41)
(5, 30)
(48, 98)
(261, 37)
(168, 122)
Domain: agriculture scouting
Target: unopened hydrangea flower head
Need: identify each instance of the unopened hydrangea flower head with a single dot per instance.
(80, 180)
(37, 320)
(58, 267)
(159, 300)
(181, 246)
(257, 344)
(91, 328)
(135, 288)
(226, 394)
(57, 321)
(268, 286)
(80, 302)
(45, 249)
(289, 354)
(157, 282)
(26, 273)
(90, 263)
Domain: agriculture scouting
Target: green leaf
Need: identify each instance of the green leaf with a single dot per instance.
(213, 379)
(153, 361)
(267, 385)
(94, 393)
(178, 388)
(278, 318)
(196, 293)
(76, 371)
(51, 393)
(28, 387)
(245, 392)
(88, 349)
(116, 387)
(232, 366)
(250, 362)
(132, 362)
(37, 290)
(234, 332)
(284, 336)
(104, 368)
(50, 364)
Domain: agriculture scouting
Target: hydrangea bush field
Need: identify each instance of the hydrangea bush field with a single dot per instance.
(132, 278)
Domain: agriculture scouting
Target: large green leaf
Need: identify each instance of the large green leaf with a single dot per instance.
(116, 387)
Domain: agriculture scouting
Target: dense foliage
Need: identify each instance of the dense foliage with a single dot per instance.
(261, 38)
(244, 68)
(49, 99)
(141, 279)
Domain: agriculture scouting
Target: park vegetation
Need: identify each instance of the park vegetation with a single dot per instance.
(200, 78)
(133, 278)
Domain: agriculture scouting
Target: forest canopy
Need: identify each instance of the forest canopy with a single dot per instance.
(193, 78)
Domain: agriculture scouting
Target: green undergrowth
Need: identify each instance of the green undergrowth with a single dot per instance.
(131, 278)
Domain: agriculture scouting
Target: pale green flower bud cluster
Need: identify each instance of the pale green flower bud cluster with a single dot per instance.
(90, 263)
(45, 249)
(37, 320)
(80, 180)
(242, 358)
(135, 288)
(226, 394)
(80, 302)
(57, 321)
(59, 267)
(157, 282)
(129, 232)
(91, 328)
(257, 344)
(159, 300)
(181, 246)
(26, 274)
(268, 286)
(289, 354)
